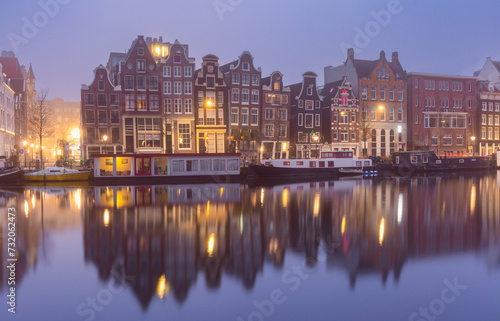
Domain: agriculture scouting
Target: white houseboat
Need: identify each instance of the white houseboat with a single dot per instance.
(330, 164)
(119, 169)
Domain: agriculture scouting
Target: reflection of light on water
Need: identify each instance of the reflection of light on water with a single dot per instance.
(343, 225)
(33, 201)
(221, 191)
(208, 207)
(400, 208)
(241, 224)
(473, 200)
(211, 244)
(261, 197)
(106, 217)
(78, 198)
(26, 208)
(285, 197)
(381, 231)
(163, 287)
(316, 204)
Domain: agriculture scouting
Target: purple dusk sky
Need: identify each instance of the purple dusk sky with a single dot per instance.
(67, 41)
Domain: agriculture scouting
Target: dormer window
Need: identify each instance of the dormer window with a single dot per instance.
(276, 86)
(101, 85)
(177, 59)
(140, 51)
(141, 65)
(309, 91)
(246, 66)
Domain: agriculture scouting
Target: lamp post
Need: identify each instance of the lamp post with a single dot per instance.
(472, 138)
(105, 139)
(24, 144)
(37, 152)
(316, 139)
(32, 145)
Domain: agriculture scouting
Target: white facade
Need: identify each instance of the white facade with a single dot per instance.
(7, 129)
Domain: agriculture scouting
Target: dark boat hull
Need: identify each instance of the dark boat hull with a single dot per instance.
(148, 180)
(11, 176)
(279, 172)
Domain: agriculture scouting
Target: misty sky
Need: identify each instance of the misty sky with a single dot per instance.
(444, 37)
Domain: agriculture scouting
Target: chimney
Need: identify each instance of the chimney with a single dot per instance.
(382, 55)
(350, 54)
(395, 56)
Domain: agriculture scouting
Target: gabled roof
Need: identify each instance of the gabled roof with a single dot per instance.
(364, 68)
(31, 74)
(496, 64)
(225, 68)
(11, 68)
(266, 81)
(330, 89)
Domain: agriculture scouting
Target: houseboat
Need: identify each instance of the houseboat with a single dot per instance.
(126, 169)
(330, 164)
(8, 174)
(406, 163)
(57, 174)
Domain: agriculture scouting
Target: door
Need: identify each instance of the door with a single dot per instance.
(143, 166)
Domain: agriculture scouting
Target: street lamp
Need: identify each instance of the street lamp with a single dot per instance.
(32, 145)
(472, 138)
(24, 144)
(316, 139)
(105, 139)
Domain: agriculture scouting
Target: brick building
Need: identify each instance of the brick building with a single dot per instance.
(380, 86)
(244, 83)
(7, 116)
(441, 113)
(275, 117)
(305, 120)
(212, 107)
(341, 116)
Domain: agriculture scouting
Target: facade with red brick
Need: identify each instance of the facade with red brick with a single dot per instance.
(441, 113)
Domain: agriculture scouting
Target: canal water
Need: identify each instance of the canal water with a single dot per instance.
(423, 248)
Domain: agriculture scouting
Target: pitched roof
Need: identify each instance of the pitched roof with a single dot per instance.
(266, 81)
(225, 68)
(496, 64)
(11, 67)
(31, 74)
(330, 89)
(364, 68)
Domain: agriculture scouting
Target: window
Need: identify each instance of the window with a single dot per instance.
(188, 88)
(255, 96)
(382, 93)
(353, 135)
(166, 71)
(188, 71)
(364, 92)
(115, 117)
(234, 116)
(391, 93)
(447, 141)
(391, 114)
(89, 99)
(344, 117)
(177, 59)
(236, 78)
(497, 120)
(141, 65)
(283, 115)
(302, 139)
(206, 165)
(235, 95)
(490, 120)
(300, 119)
(140, 51)
(282, 130)
(129, 83)
(178, 106)
(100, 85)
(434, 140)
(400, 113)
(153, 83)
(255, 80)
(184, 136)
(101, 100)
(497, 133)
(244, 116)
(103, 117)
(484, 107)
(276, 85)
(154, 104)
(115, 135)
(167, 88)
(129, 102)
(219, 164)
(89, 117)
(317, 104)
(177, 88)
(220, 99)
(220, 120)
(483, 119)
(245, 79)
(309, 105)
(201, 116)
(382, 115)
(374, 93)
(188, 106)
(309, 91)
(177, 71)
(167, 104)
(400, 93)
(254, 116)
(270, 114)
(344, 136)
(141, 102)
(210, 117)
(497, 107)
(460, 140)
(316, 120)
(309, 121)
(416, 83)
(269, 130)
(141, 83)
(113, 100)
(233, 165)
(246, 66)
(373, 113)
(91, 135)
(245, 96)
(178, 166)
(483, 132)
(301, 103)
(490, 106)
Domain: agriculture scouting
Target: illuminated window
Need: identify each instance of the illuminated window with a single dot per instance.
(141, 102)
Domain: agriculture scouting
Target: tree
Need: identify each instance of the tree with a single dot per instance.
(365, 132)
(40, 120)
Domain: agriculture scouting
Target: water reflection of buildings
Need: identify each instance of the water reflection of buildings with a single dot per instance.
(38, 213)
(161, 237)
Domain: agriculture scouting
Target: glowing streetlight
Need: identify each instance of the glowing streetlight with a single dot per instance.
(209, 103)
(381, 108)
(75, 133)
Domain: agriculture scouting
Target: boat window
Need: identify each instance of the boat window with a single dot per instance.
(178, 166)
(413, 159)
(191, 165)
(161, 165)
(312, 163)
(300, 163)
(330, 164)
(321, 164)
(106, 166)
(233, 164)
(123, 166)
(219, 164)
(425, 159)
(206, 165)
(397, 159)
(367, 163)
(358, 163)
(438, 161)
(286, 163)
(461, 161)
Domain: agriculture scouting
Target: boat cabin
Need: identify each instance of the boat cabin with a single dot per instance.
(332, 159)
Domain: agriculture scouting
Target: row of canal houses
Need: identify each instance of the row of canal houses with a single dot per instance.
(152, 99)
